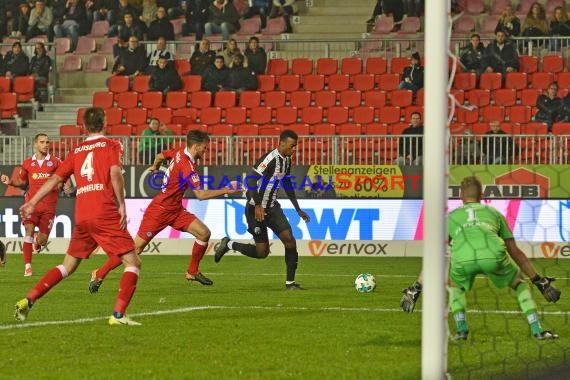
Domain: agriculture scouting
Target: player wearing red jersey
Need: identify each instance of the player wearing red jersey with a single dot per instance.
(35, 171)
(166, 208)
(96, 166)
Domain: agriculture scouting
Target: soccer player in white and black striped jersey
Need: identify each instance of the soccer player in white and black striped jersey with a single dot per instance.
(269, 173)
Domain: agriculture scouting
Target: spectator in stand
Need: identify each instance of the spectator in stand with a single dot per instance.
(153, 141)
(376, 12)
(256, 56)
(16, 62)
(24, 15)
(471, 56)
(395, 9)
(241, 78)
(9, 10)
(196, 18)
(119, 17)
(230, 52)
(285, 8)
(410, 149)
(130, 27)
(497, 147)
(73, 22)
(40, 66)
(216, 77)
(149, 13)
(40, 22)
(559, 26)
(509, 23)
(501, 56)
(535, 24)
(161, 27)
(258, 7)
(160, 51)
(564, 113)
(104, 10)
(222, 18)
(548, 106)
(413, 76)
(202, 58)
(132, 60)
(164, 77)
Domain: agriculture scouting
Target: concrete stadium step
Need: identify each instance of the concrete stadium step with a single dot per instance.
(364, 12)
(78, 95)
(331, 29)
(49, 127)
(337, 20)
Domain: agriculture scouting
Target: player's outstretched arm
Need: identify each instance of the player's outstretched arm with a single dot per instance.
(233, 187)
(158, 160)
(290, 191)
(544, 284)
(17, 182)
(118, 183)
(28, 207)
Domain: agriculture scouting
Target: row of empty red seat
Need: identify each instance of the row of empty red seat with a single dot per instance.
(516, 80)
(23, 87)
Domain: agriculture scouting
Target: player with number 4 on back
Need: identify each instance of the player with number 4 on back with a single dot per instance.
(166, 207)
(482, 243)
(96, 166)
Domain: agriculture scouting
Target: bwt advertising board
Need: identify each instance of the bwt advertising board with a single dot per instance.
(339, 219)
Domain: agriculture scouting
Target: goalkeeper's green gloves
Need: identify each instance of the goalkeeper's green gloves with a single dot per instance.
(544, 284)
(410, 296)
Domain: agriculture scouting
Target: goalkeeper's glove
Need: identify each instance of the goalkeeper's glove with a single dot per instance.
(410, 296)
(544, 284)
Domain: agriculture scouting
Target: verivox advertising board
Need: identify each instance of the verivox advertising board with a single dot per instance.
(338, 219)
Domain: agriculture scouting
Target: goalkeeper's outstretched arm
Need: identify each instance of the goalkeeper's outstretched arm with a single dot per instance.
(544, 284)
(411, 295)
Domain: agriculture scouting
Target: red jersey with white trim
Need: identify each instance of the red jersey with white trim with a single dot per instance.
(91, 163)
(181, 174)
(36, 172)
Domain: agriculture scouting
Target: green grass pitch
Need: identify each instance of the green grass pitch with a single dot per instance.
(247, 327)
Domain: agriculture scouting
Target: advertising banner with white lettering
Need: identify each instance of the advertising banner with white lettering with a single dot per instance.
(338, 219)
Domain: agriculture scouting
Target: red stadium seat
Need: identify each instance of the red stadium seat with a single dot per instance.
(376, 65)
(314, 82)
(529, 96)
(120, 130)
(302, 66)
(277, 67)
(286, 115)
(85, 45)
(118, 83)
(383, 24)
(164, 114)
(250, 99)
(5, 84)
(200, 99)
(401, 98)
(69, 130)
(363, 115)
(464, 25)
(388, 82)
(410, 25)
(327, 66)
(300, 129)
(325, 98)
(62, 45)
(289, 83)
(176, 99)
(260, 115)
(351, 66)
(99, 28)
(350, 98)
(552, 64)
(221, 130)
(465, 81)
(225, 99)
(275, 99)
(24, 88)
(389, 115)
(375, 99)
(103, 99)
(363, 82)
(490, 81)
(466, 116)
(136, 116)
(151, 99)
(300, 99)
(141, 83)
(270, 130)
(96, 63)
(518, 81)
(72, 63)
(312, 115)
(182, 66)
(339, 82)
(337, 115)
(520, 114)
(266, 83)
(323, 129)
(541, 80)
(493, 113)
(126, 100)
(236, 115)
(479, 98)
(375, 129)
(398, 64)
(528, 64)
(191, 83)
(210, 115)
(8, 105)
(504, 97)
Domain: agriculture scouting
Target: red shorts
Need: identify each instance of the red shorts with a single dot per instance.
(106, 233)
(42, 219)
(155, 219)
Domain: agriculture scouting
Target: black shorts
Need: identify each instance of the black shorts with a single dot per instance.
(274, 219)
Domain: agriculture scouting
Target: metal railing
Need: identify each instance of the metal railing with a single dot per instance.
(328, 150)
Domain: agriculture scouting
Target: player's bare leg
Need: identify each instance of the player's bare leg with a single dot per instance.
(40, 241)
(48, 281)
(258, 251)
(291, 259)
(202, 234)
(98, 275)
(28, 249)
(127, 288)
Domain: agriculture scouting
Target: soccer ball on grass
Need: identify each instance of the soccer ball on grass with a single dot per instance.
(365, 283)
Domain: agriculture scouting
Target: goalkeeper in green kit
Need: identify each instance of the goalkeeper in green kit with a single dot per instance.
(482, 243)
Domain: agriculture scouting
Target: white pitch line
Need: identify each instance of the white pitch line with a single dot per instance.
(214, 307)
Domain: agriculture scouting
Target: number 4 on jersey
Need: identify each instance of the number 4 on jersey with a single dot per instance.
(87, 167)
